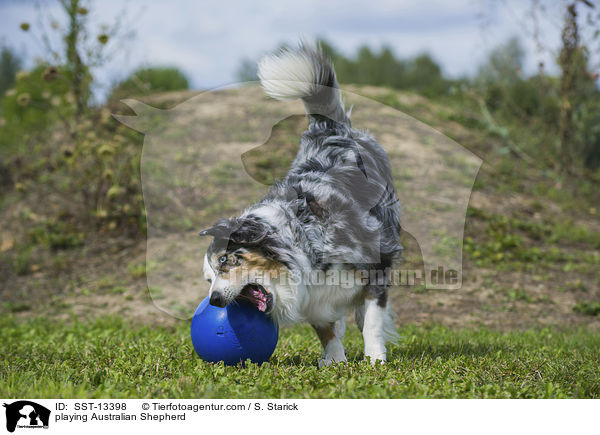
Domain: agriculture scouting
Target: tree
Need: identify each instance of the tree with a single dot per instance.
(392, 69)
(75, 68)
(377, 68)
(247, 71)
(425, 75)
(565, 106)
(574, 82)
(87, 171)
(85, 46)
(504, 64)
(10, 64)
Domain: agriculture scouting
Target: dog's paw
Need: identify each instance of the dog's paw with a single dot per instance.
(333, 353)
(328, 360)
(375, 359)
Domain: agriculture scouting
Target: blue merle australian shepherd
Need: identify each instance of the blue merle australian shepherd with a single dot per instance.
(333, 215)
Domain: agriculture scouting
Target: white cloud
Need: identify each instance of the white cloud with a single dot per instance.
(208, 39)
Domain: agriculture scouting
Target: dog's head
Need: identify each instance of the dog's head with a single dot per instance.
(241, 261)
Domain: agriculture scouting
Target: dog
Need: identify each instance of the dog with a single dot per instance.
(335, 213)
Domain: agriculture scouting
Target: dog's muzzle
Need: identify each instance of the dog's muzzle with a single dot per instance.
(258, 296)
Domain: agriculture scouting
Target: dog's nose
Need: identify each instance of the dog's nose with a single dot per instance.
(217, 300)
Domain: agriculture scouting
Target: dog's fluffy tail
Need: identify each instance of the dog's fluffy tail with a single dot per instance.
(304, 73)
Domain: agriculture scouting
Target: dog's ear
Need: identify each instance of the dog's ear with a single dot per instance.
(221, 230)
(250, 231)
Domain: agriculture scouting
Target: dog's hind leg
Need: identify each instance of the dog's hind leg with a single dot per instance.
(330, 336)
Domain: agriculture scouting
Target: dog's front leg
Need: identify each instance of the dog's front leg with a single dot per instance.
(374, 331)
(330, 336)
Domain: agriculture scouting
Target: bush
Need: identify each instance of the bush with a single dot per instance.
(56, 235)
(38, 99)
(76, 167)
(88, 169)
(148, 80)
(590, 308)
(589, 132)
(98, 171)
(530, 108)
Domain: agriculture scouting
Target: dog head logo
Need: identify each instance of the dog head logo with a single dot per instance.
(217, 153)
(26, 414)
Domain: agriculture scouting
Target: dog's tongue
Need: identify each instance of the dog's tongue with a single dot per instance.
(260, 298)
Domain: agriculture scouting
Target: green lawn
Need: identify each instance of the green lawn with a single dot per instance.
(109, 358)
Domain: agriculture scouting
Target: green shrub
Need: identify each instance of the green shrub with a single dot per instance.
(56, 235)
(38, 99)
(100, 172)
(22, 260)
(589, 132)
(588, 308)
(56, 146)
(148, 80)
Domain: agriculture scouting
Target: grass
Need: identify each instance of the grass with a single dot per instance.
(509, 242)
(591, 308)
(110, 358)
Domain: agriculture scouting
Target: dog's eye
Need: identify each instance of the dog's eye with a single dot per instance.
(222, 259)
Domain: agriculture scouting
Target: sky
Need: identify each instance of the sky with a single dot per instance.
(208, 39)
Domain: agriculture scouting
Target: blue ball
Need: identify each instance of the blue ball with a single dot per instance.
(234, 333)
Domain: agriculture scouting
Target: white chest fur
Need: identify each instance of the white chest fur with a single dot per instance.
(321, 297)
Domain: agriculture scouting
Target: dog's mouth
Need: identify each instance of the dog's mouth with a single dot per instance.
(258, 296)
